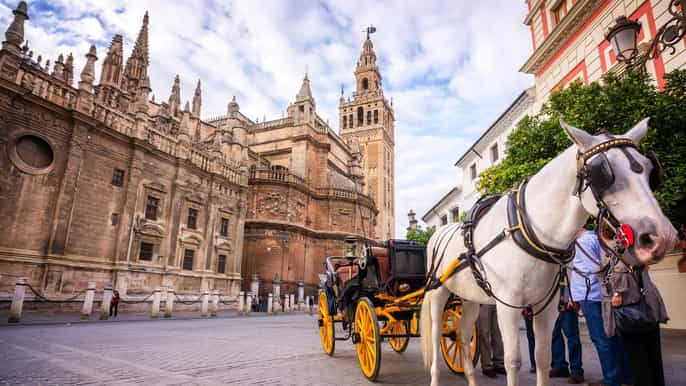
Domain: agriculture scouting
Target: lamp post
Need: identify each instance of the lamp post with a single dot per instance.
(623, 37)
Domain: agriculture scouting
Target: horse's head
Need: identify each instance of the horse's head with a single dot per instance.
(617, 176)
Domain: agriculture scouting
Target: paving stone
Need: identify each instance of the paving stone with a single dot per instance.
(279, 350)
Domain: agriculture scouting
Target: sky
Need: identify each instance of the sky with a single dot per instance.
(450, 67)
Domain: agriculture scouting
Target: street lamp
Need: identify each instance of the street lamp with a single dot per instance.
(623, 37)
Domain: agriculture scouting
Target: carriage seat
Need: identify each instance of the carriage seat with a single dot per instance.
(381, 255)
(343, 273)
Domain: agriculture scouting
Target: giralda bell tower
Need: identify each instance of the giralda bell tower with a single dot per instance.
(369, 119)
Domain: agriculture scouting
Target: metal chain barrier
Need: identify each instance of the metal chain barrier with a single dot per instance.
(42, 298)
(226, 302)
(186, 302)
(135, 301)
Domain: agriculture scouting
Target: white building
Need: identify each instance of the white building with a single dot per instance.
(488, 150)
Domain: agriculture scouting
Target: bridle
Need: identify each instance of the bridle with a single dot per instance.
(595, 172)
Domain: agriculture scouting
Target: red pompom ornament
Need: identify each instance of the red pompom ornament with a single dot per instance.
(625, 236)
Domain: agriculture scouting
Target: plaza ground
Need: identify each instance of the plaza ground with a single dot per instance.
(253, 350)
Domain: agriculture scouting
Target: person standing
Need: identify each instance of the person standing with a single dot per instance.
(568, 323)
(490, 342)
(114, 303)
(626, 286)
(610, 351)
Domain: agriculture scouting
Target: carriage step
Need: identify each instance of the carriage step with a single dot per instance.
(356, 338)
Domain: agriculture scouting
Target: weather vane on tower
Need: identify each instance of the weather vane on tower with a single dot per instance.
(370, 30)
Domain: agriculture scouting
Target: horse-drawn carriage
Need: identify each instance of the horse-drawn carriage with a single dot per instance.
(377, 296)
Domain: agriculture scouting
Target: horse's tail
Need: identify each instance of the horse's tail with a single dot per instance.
(426, 337)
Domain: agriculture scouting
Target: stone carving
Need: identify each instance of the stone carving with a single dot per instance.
(273, 203)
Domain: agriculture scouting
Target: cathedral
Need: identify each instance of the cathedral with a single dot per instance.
(101, 183)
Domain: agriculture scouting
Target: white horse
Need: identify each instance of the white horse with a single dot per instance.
(555, 215)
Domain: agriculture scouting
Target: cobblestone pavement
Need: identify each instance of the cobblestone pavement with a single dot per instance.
(255, 350)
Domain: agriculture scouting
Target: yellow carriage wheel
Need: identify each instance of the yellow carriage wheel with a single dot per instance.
(326, 330)
(368, 341)
(399, 327)
(450, 344)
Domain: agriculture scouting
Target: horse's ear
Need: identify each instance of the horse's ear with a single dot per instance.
(639, 131)
(581, 138)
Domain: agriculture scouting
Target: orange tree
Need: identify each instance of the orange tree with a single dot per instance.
(615, 104)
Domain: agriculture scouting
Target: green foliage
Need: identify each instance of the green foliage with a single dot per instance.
(616, 105)
(463, 216)
(419, 235)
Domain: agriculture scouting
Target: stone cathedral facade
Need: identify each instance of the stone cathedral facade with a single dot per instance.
(99, 182)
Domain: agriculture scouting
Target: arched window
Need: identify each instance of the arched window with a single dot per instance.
(345, 122)
(376, 116)
(360, 116)
(376, 84)
(365, 83)
(369, 117)
(350, 119)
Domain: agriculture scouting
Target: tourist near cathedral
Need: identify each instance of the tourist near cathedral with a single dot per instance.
(210, 192)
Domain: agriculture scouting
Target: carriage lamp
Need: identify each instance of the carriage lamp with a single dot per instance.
(623, 37)
(350, 245)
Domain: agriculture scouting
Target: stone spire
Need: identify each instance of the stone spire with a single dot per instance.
(305, 92)
(88, 72)
(197, 100)
(413, 221)
(142, 95)
(367, 56)
(175, 97)
(112, 65)
(233, 107)
(14, 35)
(69, 70)
(58, 70)
(137, 65)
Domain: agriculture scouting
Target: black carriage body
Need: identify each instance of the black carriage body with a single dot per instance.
(407, 261)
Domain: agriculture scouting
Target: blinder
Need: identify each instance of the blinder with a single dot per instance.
(600, 174)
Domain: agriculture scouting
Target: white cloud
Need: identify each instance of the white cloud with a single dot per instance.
(451, 68)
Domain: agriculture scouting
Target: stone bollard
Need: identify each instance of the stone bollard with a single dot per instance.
(248, 303)
(215, 304)
(17, 300)
(87, 307)
(291, 302)
(156, 297)
(105, 304)
(169, 304)
(301, 295)
(270, 306)
(241, 301)
(204, 304)
(286, 303)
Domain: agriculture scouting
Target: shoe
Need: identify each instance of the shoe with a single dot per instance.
(532, 370)
(575, 379)
(489, 373)
(559, 373)
(500, 370)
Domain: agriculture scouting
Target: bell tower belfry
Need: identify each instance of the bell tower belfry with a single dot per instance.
(369, 118)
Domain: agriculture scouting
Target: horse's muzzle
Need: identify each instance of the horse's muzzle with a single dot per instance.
(653, 242)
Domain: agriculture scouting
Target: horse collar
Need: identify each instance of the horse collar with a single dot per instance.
(523, 234)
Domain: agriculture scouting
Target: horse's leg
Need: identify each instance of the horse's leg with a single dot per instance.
(543, 333)
(470, 312)
(438, 299)
(508, 321)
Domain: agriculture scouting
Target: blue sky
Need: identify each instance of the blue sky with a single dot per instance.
(451, 67)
